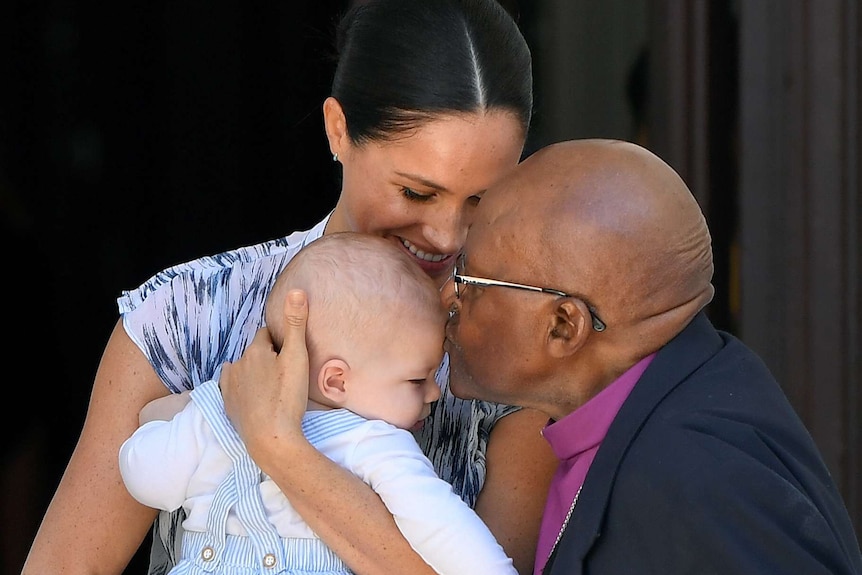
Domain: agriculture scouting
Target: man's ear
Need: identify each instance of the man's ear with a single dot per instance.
(335, 125)
(569, 327)
(331, 380)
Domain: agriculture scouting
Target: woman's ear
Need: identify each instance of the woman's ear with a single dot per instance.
(569, 327)
(331, 380)
(335, 125)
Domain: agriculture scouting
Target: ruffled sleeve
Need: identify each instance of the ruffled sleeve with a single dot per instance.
(191, 318)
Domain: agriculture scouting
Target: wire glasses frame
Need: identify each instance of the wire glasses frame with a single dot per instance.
(459, 279)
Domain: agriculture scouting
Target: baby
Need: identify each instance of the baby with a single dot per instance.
(375, 340)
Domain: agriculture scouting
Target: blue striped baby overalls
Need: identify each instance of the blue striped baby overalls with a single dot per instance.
(263, 551)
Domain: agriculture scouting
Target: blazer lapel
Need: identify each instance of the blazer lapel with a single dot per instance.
(684, 354)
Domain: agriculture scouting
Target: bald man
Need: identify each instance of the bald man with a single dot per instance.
(580, 293)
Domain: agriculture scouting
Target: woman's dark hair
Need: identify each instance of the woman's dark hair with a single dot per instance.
(404, 62)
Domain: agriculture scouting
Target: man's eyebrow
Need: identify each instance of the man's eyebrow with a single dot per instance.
(420, 180)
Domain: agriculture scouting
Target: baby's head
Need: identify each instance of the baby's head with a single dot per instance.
(375, 326)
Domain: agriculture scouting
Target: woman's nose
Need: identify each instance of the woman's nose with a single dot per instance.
(448, 231)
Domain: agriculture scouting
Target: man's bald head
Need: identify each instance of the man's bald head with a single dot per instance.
(614, 223)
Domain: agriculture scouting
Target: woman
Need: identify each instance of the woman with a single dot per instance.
(431, 103)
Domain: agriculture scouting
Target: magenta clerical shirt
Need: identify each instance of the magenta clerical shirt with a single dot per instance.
(575, 440)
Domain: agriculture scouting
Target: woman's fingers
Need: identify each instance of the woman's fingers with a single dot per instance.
(266, 394)
(293, 357)
(249, 384)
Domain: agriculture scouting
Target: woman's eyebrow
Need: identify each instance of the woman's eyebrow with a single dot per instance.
(419, 179)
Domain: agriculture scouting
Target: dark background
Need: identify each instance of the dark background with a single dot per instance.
(134, 136)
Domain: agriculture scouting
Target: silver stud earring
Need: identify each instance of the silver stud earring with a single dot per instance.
(335, 157)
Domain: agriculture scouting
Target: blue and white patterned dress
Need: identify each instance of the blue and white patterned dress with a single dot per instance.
(191, 318)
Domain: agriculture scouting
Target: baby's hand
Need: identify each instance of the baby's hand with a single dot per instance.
(163, 408)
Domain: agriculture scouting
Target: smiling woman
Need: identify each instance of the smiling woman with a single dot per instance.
(431, 104)
(420, 191)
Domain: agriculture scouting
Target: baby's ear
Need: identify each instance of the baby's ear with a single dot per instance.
(331, 380)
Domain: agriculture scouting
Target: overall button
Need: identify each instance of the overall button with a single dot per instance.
(269, 560)
(207, 554)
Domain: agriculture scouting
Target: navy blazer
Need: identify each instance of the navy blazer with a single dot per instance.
(707, 469)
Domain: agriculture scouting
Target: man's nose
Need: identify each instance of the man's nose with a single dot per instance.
(447, 293)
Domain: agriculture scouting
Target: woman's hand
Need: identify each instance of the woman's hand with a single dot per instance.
(266, 393)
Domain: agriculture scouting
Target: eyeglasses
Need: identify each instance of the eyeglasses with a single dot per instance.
(459, 279)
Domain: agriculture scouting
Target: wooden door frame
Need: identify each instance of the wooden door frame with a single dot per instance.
(797, 262)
